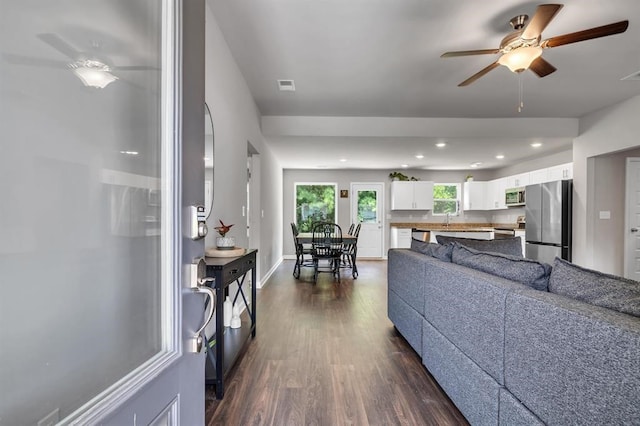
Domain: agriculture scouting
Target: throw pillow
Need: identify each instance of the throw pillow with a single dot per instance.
(525, 271)
(596, 288)
(510, 246)
(432, 249)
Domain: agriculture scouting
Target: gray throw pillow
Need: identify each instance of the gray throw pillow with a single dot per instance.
(525, 271)
(596, 288)
(510, 246)
(432, 249)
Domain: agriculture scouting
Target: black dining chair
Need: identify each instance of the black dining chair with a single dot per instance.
(350, 251)
(302, 250)
(326, 244)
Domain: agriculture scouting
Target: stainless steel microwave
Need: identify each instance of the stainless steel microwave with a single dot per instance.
(514, 197)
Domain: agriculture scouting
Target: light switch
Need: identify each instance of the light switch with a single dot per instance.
(605, 214)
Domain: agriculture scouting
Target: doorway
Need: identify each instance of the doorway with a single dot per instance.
(367, 208)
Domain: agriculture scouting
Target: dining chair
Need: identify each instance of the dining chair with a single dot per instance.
(350, 251)
(326, 244)
(301, 251)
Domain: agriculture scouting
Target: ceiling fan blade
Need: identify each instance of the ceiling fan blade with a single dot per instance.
(478, 74)
(544, 14)
(469, 53)
(597, 32)
(60, 45)
(34, 62)
(541, 67)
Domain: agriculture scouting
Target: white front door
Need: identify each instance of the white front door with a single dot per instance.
(632, 222)
(367, 209)
(94, 314)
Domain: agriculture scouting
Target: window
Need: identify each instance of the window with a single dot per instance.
(446, 198)
(315, 202)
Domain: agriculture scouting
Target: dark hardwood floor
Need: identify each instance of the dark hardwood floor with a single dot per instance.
(326, 354)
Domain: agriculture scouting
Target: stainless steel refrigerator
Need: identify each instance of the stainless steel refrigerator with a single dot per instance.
(548, 209)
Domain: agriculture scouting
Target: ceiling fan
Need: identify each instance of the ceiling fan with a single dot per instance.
(522, 49)
(92, 69)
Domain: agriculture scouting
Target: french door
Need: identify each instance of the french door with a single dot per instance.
(367, 209)
(95, 323)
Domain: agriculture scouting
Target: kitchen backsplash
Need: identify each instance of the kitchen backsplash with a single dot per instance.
(498, 216)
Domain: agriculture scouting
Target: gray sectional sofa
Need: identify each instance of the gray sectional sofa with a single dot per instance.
(507, 353)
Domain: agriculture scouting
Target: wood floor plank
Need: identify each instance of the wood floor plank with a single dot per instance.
(326, 354)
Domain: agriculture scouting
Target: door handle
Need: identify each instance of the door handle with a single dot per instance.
(198, 283)
(634, 229)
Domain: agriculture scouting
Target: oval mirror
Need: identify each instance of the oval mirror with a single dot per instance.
(208, 161)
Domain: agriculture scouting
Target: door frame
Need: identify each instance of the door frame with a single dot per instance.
(353, 205)
(628, 240)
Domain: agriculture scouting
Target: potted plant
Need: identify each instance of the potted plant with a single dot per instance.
(469, 178)
(223, 242)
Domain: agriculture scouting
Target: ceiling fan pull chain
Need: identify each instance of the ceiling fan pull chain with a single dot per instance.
(520, 92)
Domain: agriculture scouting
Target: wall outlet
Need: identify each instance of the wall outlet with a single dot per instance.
(605, 214)
(51, 419)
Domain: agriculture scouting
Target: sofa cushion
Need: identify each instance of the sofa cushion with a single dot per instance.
(596, 288)
(439, 251)
(510, 246)
(525, 271)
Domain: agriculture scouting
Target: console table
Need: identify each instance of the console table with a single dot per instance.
(225, 346)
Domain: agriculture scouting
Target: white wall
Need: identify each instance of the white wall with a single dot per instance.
(609, 130)
(236, 122)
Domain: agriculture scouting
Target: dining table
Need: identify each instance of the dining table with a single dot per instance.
(347, 240)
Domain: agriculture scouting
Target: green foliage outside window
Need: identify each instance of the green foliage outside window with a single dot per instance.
(446, 198)
(367, 207)
(315, 203)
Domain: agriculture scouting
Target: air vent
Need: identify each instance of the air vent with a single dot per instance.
(634, 76)
(286, 86)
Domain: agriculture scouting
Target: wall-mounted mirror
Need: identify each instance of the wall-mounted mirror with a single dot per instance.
(208, 161)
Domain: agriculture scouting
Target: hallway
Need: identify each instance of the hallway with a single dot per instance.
(326, 354)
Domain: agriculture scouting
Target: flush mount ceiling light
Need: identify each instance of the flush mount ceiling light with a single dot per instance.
(93, 73)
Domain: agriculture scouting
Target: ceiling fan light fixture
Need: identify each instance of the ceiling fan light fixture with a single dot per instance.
(518, 60)
(93, 73)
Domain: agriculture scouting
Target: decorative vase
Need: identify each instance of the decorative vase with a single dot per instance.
(227, 310)
(225, 243)
(235, 319)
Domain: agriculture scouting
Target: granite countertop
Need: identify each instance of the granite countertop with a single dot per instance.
(454, 227)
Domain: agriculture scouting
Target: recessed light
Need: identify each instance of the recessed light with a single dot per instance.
(441, 144)
(419, 156)
(343, 160)
(129, 152)
(536, 145)
(499, 156)
(476, 164)
(404, 166)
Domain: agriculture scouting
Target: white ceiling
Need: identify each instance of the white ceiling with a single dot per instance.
(381, 58)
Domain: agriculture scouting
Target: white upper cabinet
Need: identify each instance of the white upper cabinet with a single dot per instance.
(495, 191)
(412, 195)
(475, 195)
(550, 174)
(517, 181)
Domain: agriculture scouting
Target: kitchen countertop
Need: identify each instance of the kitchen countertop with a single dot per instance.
(453, 227)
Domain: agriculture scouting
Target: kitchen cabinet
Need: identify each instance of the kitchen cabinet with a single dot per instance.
(561, 172)
(495, 194)
(521, 233)
(412, 195)
(517, 181)
(474, 195)
(400, 237)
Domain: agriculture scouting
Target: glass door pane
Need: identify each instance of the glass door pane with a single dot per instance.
(83, 208)
(367, 207)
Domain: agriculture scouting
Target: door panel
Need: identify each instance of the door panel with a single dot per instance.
(367, 209)
(632, 222)
(90, 183)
